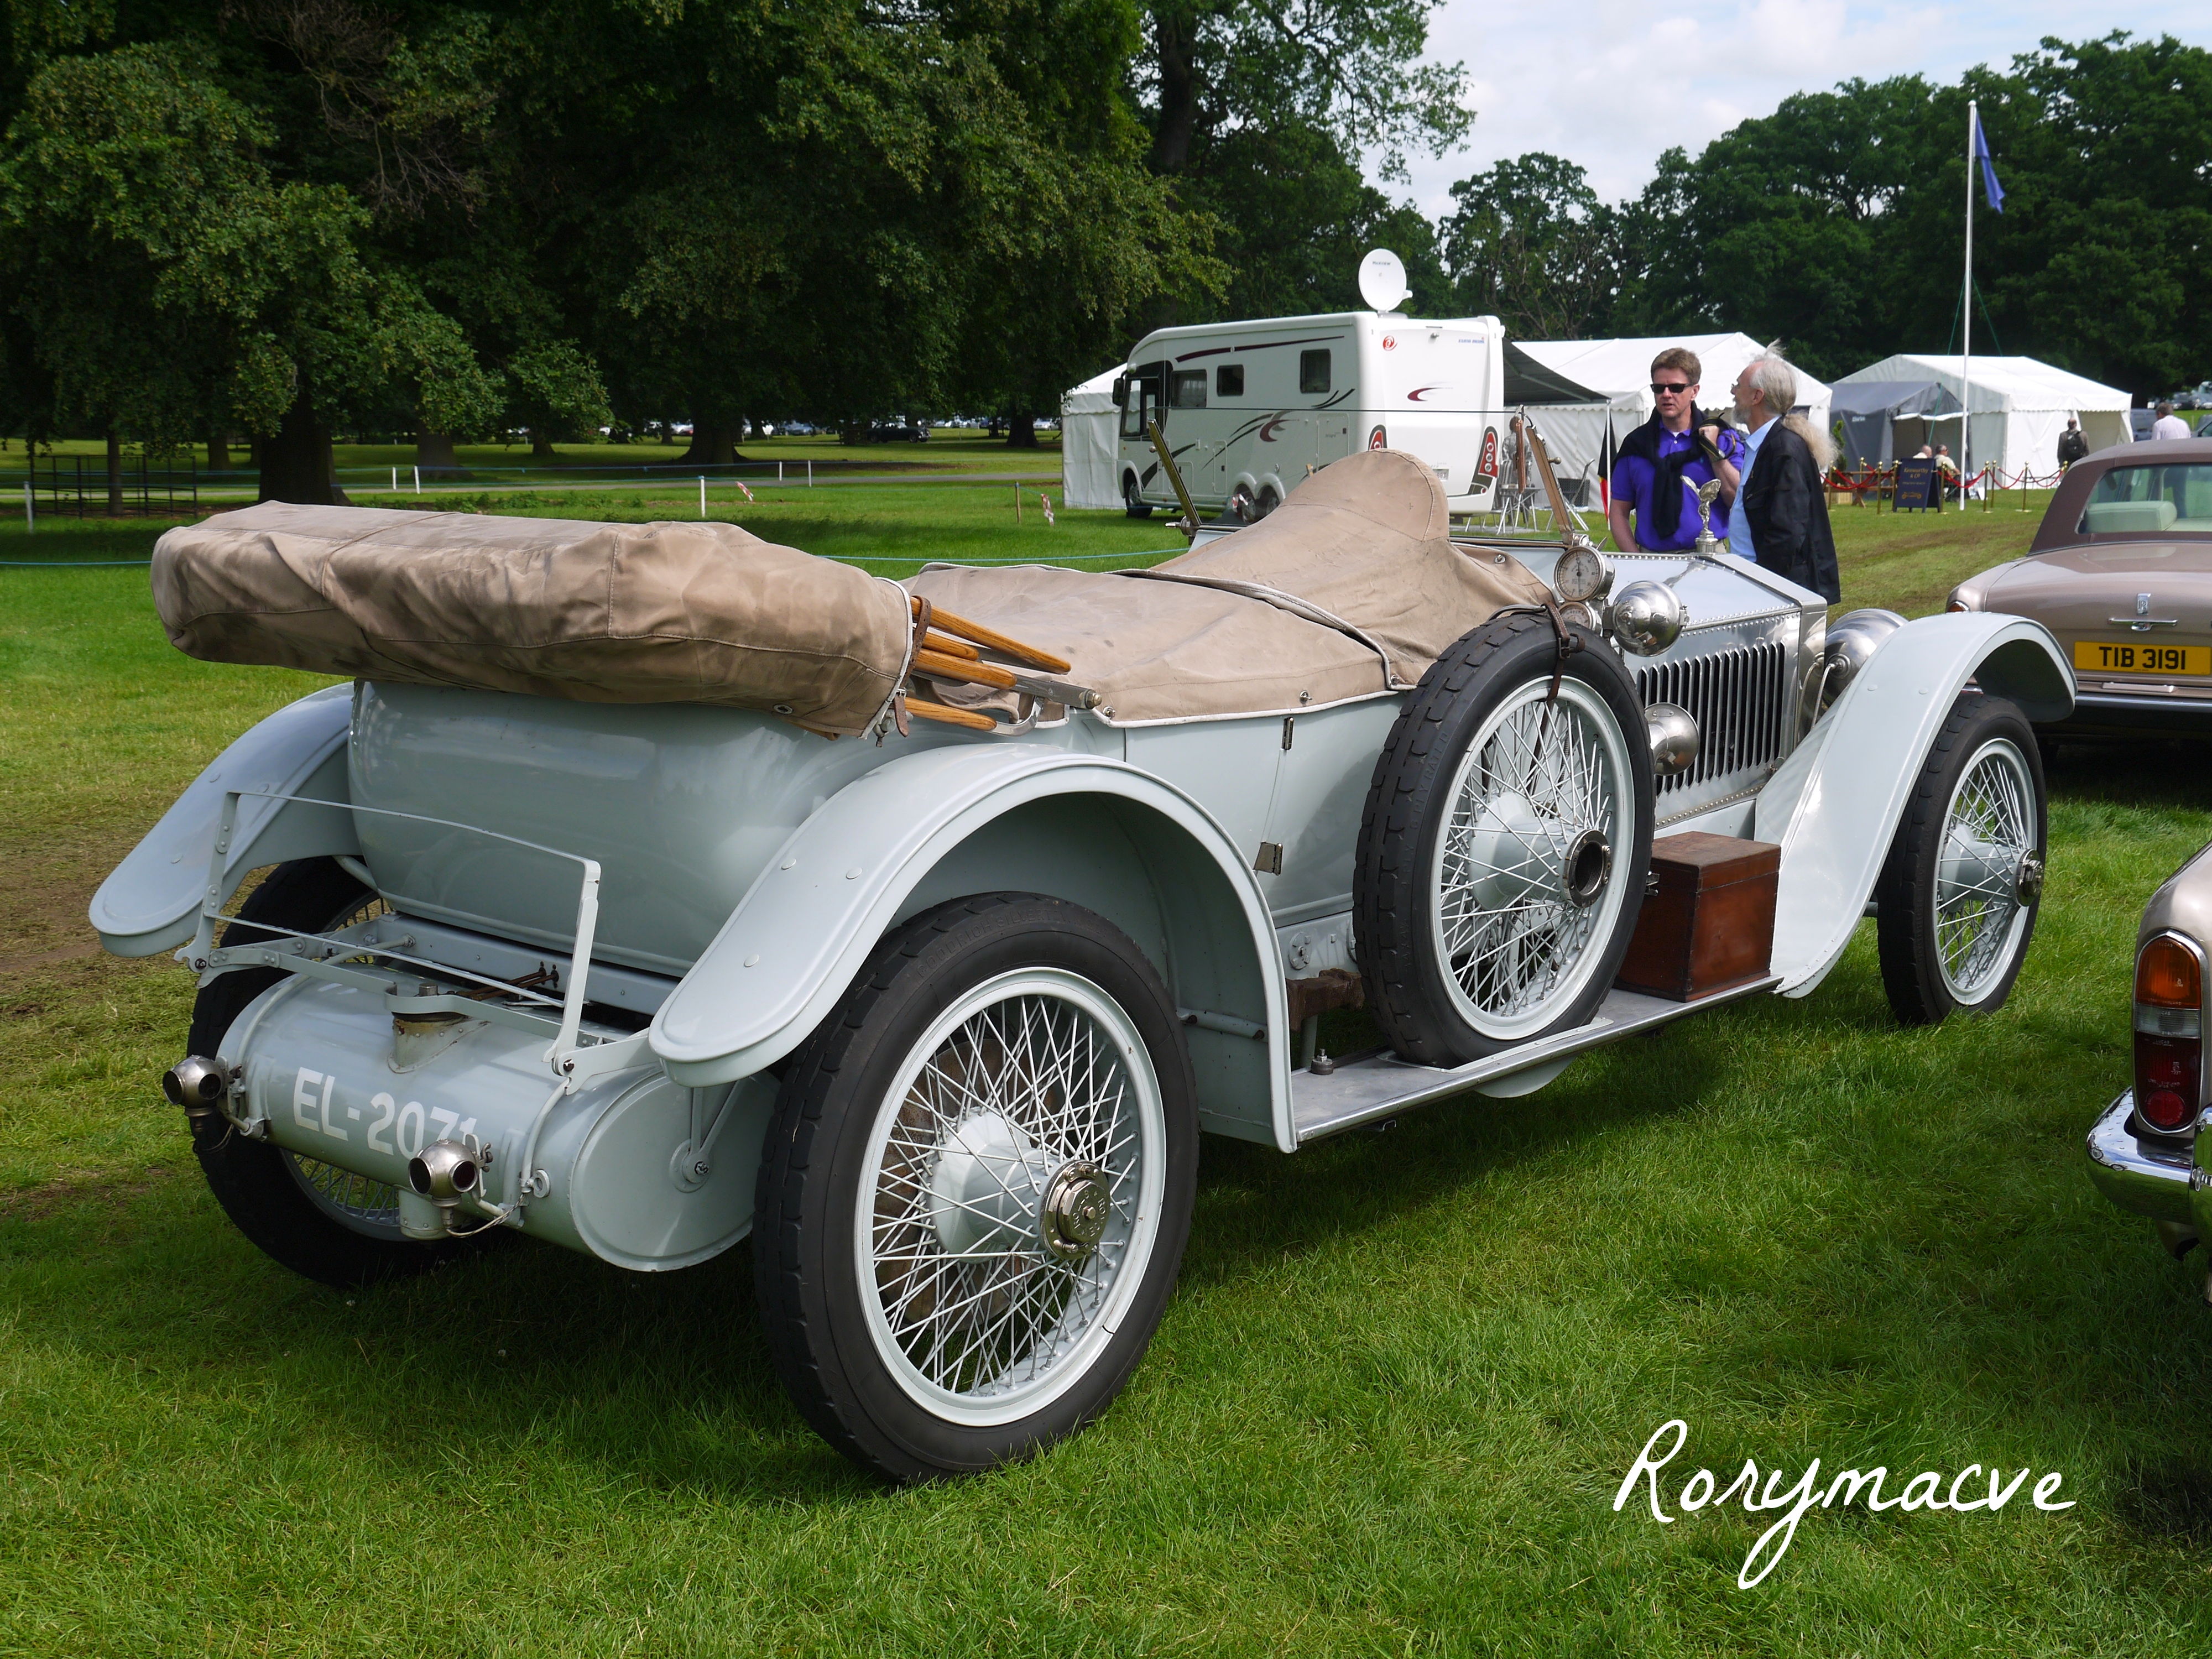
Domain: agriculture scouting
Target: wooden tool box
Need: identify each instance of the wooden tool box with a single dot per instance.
(1708, 919)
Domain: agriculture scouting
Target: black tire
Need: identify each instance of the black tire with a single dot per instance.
(1267, 501)
(1985, 923)
(830, 1327)
(1133, 500)
(264, 1189)
(1416, 981)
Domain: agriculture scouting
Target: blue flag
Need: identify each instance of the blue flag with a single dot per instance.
(1990, 184)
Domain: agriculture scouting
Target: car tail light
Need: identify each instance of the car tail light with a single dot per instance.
(2169, 1032)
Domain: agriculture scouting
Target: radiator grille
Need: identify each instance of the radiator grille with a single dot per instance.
(1738, 698)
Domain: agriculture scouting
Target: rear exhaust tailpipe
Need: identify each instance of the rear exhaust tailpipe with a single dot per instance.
(198, 1084)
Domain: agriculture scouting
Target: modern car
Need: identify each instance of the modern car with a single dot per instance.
(642, 888)
(2149, 1151)
(2120, 570)
(898, 432)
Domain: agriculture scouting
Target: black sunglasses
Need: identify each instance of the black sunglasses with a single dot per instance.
(1660, 388)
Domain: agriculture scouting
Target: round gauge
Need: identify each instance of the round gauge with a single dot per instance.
(1581, 573)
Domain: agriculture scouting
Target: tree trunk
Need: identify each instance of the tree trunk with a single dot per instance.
(295, 460)
(434, 449)
(114, 474)
(851, 432)
(1174, 33)
(218, 449)
(541, 445)
(712, 445)
(1021, 429)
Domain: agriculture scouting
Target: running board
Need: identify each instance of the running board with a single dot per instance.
(1380, 1085)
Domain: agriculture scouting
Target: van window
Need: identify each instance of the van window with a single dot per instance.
(1143, 404)
(1229, 381)
(1189, 388)
(1313, 371)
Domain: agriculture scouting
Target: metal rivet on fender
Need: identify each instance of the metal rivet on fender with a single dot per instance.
(786, 863)
(752, 959)
(853, 874)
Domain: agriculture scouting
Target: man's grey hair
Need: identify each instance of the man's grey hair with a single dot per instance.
(1776, 381)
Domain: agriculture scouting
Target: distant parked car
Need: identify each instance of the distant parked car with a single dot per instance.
(898, 432)
(2144, 1149)
(2121, 571)
(2139, 421)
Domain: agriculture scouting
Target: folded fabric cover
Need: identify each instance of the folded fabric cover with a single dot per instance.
(681, 612)
(1365, 540)
(592, 613)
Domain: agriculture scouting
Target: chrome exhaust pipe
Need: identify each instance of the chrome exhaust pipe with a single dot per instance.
(199, 1086)
(442, 1175)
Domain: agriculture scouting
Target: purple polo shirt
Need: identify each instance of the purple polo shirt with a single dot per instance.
(1633, 477)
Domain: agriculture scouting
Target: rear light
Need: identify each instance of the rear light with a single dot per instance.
(2169, 1032)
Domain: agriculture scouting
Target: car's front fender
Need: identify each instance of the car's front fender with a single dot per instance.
(151, 902)
(1835, 803)
(975, 818)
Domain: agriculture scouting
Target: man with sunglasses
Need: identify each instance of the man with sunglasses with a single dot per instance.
(1663, 462)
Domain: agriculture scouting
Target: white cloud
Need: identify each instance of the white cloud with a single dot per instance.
(1611, 83)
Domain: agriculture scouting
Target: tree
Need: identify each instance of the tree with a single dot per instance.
(1531, 244)
(1258, 113)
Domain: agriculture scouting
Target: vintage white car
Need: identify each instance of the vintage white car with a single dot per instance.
(650, 887)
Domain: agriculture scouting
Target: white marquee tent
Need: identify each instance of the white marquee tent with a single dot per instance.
(1583, 434)
(1089, 444)
(2020, 406)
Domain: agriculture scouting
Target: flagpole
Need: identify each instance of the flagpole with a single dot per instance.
(1967, 335)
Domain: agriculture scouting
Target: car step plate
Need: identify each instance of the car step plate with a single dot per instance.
(1379, 1085)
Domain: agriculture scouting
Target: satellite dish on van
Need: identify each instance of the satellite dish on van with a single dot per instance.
(1382, 279)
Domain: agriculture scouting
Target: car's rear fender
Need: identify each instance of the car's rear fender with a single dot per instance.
(988, 818)
(1835, 803)
(151, 902)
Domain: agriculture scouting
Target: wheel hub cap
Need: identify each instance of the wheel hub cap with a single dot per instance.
(1075, 1205)
(985, 1194)
(2027, 881)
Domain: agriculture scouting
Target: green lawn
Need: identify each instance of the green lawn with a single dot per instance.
(1387, 1412)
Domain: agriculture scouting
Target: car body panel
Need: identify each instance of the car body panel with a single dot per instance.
(151, 902)
(1834, 805)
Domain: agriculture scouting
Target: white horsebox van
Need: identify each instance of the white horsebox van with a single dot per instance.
(1249, 409)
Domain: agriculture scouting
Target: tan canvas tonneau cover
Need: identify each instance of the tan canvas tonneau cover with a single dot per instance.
(668, 612)
(1348, 589)
(1363, 551)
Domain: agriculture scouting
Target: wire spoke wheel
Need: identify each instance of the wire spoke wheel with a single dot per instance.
(1956, 900)
(1504, 842)
(1522, 878)
(975, 1192)
(1988, 833)
(352, 1200)
(1012, 1194)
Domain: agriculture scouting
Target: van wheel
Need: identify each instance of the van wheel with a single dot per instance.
(1268, 501)
(1503, 846)
(1957, 899)
(1132, 502)
(322, 1222)
(974, 1195)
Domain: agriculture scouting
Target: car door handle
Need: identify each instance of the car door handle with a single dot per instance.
(2144, 624)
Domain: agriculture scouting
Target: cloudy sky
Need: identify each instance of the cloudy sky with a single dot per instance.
(1611, 83)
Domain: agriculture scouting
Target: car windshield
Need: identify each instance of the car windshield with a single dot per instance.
(2150, 500)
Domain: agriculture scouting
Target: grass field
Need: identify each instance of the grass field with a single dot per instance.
(1387, 1412)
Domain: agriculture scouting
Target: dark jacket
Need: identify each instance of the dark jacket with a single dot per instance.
(2073, 445)
(1788, 512)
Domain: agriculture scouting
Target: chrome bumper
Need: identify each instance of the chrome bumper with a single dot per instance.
(2142, 1173)
(2117, 712)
